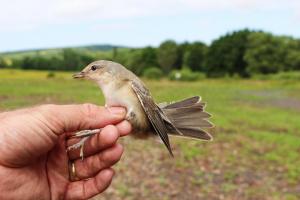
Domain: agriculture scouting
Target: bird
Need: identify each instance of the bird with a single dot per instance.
(121, 87)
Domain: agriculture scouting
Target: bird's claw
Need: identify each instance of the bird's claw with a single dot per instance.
(80, 145)
(84, 135)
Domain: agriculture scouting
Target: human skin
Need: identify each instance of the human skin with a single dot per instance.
(34, 160)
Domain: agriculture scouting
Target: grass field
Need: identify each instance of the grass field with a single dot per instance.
(255, 153)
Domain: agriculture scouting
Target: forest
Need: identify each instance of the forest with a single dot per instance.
(243, 53)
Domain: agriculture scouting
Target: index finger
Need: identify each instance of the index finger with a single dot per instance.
(67, 118)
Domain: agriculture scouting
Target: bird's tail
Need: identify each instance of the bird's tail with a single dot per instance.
(187, 118)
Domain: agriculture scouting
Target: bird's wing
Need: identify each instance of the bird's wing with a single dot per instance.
(153, 112)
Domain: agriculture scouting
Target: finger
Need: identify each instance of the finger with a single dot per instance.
(124, 128)
(105, 139)
(98, 142)
(93, 164)
(86, 189)
(67, 118)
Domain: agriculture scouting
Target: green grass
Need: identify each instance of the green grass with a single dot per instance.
(255, 153)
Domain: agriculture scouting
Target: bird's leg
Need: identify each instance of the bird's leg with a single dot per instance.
(84, 135)
(107, 107)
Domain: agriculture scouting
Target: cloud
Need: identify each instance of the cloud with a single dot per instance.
(30, 14)
(111, 26)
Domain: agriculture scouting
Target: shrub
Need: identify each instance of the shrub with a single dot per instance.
(286, 76)
(153, 73)
(293, 75)
(50, 75)
(185, 74)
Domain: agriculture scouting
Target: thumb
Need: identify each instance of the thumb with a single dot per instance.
(67, 118)
(26, 134)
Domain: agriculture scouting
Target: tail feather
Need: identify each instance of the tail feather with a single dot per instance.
(187, 118)
(187, 113)
(203, 123)
(184, 103)
(196, 133)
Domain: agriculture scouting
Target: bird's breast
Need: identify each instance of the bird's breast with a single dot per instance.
(125, 96)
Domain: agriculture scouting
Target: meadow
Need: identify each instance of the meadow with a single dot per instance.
(255, 153)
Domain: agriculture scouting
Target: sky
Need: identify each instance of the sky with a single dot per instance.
(32, 24)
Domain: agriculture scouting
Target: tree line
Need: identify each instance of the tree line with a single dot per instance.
(240, 53)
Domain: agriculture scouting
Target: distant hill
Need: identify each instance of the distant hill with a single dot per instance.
(100, 47)
(102, 50)
(104, 47)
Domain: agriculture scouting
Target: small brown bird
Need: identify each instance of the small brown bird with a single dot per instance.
(121, 87)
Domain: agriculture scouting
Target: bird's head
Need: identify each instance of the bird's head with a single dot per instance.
(102, 71)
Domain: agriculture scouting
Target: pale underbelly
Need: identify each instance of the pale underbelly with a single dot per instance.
(141, 126)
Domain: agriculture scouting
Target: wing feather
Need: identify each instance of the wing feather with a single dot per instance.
(154, 113)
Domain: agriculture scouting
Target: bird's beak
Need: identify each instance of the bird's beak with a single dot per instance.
(78, 75)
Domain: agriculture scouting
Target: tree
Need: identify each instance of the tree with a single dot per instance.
(292, 58)
(26, 63)
(115, 53)
(167, 55)
(181, 52)
(71, 60)
(2, 64)
(5, 62)
(266, 53)
(226, 55)
(149, 57)
(134, 61)
(194, 56)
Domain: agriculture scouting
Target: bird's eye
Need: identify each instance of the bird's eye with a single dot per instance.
(94, 67)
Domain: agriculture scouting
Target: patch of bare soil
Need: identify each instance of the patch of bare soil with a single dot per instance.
(3, 97)
(146, 171)
(276, 98)
(289, 103)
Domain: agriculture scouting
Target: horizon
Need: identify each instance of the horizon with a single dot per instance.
(61, 47)
(124, 46)
(137, 24)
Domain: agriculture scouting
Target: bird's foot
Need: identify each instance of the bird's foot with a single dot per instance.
(84, 135)
(107, 108)
(80, 145)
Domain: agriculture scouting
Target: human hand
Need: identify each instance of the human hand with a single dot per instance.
(33, 158)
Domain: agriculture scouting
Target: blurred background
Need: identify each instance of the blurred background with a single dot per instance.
(241, 56)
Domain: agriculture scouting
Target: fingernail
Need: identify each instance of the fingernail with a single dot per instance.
(117, 110)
